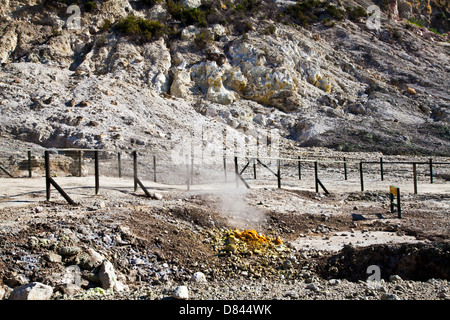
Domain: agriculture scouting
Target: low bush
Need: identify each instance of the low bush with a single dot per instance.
(187, 16)
(140, 28)
(355, 13)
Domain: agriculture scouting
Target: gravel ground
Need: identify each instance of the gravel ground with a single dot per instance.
(155, 246)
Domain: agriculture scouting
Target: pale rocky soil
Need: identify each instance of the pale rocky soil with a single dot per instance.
(157, 245)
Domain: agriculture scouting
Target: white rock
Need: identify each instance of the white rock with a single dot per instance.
(181, 293)
(199, 277)
(192, 3)
(107, 275)
(32, 291)
(181, 84)
(189, 33)
(2, 292)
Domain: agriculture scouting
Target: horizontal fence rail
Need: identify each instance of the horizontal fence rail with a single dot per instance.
(168, 167)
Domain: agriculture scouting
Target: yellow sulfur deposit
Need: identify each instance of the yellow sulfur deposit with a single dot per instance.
(252, 238)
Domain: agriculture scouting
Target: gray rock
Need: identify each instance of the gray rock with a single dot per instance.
(90, 259)
(395, 278)
(69, 250)
(68, 288)
(312, 287)
(389, 296)
(52, 257)
(32, 291)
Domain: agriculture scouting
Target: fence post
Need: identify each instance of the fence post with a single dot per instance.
(225, 168)
(254, 168)
(236, 169)
(47, 174)
(135, 169)
(361, 175)
(119, 163)
(299, 169)
(80, 155)
(279, 173)
(154, 168)
(29, 164)
(345, 168)
(188, 174)
(431, 170)
(192, 169)
(381, 169)
(316, 177)
(97, 179)
(415, 177)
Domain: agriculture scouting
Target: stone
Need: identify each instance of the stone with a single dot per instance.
(181, 84)
(395, 278)
(189, 33)
(157, 196)
(68, 288)
(199, 277)
(192, 3)
(69, 250)
(53, 257)
(32, 291)
(84, 104)
(107, 275)
(411, 91)
(12, 279)
(2, 292)
(389, 296)
(312, 287)
(38, 209)
(405, 9)
(181, 293)
(90, 259)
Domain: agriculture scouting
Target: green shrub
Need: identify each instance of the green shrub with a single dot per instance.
(90, 6)
(150, 2)
(417, 22)
(334, 11)
(140, 28)
(271, 29)
(356, 13)
(106, 25)
(203, 38)
(306, 12)
(187, 16)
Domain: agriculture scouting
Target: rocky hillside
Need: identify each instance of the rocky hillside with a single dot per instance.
(118, 73)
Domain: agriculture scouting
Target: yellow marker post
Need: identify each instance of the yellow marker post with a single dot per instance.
(393, 190)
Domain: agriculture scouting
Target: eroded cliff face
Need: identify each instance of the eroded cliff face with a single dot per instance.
(334, 83)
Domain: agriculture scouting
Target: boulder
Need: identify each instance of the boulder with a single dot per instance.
(107, 275)
(192, 3)
(90, 259)
(181, 84)
(32, 291)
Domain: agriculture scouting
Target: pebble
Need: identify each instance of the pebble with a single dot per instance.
(181, 293)
(199, 277)
(395, 278)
